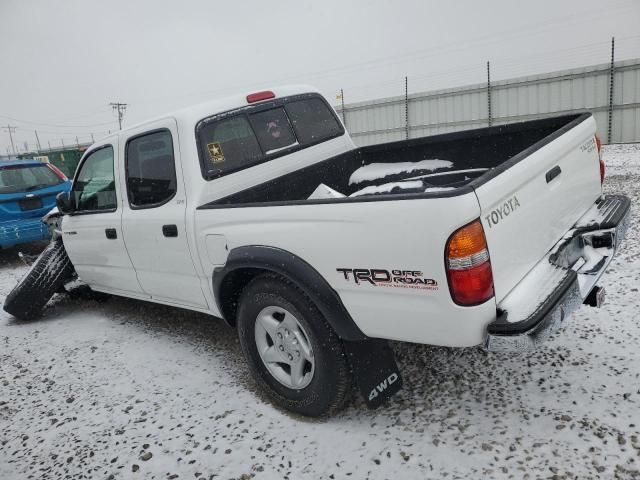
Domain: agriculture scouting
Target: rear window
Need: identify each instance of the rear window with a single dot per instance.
(25, 178)
(229, 144)
(263, 132)
(312, 120)
(273, 130)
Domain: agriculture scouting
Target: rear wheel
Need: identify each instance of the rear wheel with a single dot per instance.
(293, 353)
(47, 275)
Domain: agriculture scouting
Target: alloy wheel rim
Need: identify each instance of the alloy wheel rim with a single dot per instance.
(284, 347)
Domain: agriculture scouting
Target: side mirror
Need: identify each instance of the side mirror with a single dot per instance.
(64, 203)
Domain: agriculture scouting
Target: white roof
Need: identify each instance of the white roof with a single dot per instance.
(193, 114)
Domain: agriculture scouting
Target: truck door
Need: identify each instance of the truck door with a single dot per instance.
(153, 218)
(92, 236)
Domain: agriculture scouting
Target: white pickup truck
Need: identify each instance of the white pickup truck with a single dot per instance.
(261, 210)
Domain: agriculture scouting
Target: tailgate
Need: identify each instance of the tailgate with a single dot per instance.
(531, 201)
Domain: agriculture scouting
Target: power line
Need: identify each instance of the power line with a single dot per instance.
(56, 125)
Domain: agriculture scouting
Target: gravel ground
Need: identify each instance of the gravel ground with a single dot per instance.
(124, 389)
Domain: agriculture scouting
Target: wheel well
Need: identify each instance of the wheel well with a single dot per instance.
(231, 288)
(245, 263)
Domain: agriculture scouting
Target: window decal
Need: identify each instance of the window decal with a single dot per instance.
(215, 152)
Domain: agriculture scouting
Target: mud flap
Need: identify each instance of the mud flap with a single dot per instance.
(374, 370)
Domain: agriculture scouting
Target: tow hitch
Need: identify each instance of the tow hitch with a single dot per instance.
(595, 297)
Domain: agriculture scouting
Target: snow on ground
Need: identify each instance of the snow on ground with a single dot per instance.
(127, 390)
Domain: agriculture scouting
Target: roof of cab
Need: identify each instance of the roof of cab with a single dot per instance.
(193, 114)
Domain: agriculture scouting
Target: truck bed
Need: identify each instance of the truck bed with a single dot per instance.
(437, 166)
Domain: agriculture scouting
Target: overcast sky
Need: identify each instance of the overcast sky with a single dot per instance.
(62, 62)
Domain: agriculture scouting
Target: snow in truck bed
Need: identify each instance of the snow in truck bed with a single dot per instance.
(375, 171)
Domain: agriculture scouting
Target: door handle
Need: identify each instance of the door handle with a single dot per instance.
(170, 230)
(111, 233)
(553, 173)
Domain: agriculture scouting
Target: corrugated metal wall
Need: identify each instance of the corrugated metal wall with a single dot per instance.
(512, 100)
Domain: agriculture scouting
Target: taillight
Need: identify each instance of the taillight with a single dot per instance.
(58, 172)
(468, 266)
(602, 169)
(258, 96)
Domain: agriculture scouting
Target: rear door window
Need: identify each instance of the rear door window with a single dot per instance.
(273, 130)
(151, 170)
(312, 120)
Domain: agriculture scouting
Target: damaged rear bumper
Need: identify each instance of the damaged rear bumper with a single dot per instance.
(562, 280)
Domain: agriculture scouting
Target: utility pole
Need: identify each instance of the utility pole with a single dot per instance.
(11, 129)
(49, 142)
(120, 108)
(92, 140)
(37, 141)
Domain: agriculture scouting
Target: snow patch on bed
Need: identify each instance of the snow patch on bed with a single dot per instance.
(387, 187)
(323, 191)
(374, 171)
(438, 189)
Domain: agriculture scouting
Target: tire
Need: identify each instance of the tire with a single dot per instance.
(46, 276)
(326, 380)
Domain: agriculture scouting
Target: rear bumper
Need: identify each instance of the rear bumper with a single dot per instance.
(561, 281)
(15, 232)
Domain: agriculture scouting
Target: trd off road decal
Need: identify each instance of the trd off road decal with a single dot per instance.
(502, 212)
(215, 152)
(381, 277)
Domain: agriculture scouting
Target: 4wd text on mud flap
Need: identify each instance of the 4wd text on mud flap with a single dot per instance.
(381, 387)
(502, 212)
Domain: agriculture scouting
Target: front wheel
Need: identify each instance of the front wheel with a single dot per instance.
(47, 275)
(293, 353)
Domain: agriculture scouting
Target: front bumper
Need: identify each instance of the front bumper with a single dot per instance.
(562, 280)
(15, 232)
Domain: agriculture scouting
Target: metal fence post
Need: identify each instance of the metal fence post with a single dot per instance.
(344, 116)
(406, 108)
(489, 93)
(611, 78)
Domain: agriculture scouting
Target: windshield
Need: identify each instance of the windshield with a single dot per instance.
(26, 178)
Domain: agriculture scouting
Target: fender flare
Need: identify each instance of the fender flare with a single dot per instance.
(296, 270)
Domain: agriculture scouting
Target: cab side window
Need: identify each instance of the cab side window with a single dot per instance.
(94, 189)
(151, 170)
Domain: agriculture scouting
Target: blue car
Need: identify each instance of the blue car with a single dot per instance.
(28, 190)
